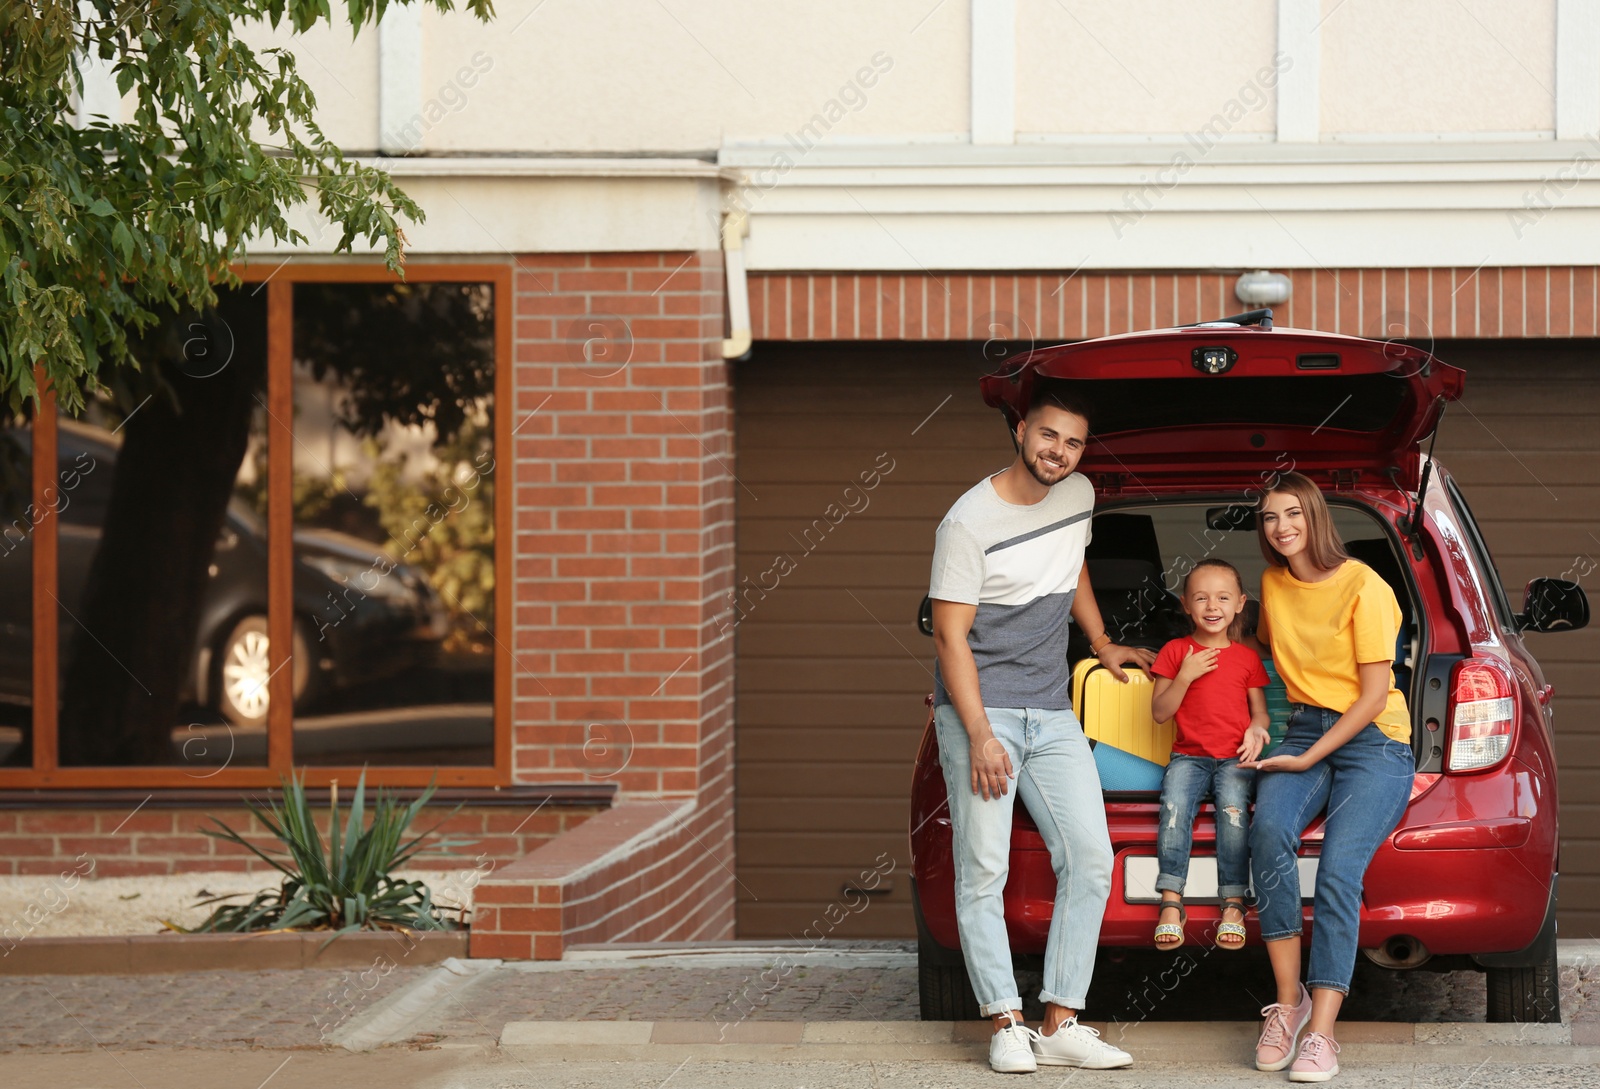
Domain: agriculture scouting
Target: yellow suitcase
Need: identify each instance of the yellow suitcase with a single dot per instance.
(1117, 714)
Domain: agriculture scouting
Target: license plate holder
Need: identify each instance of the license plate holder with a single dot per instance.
(1139, 873)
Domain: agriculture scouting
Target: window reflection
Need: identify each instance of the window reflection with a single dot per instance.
(159, 562)
(393, 494)
(18, 517)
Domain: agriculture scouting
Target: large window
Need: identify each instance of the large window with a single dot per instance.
(394, 523)
(18, 517)
(274, 547)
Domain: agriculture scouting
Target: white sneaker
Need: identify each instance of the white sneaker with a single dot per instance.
(1078, 1045)
(1009, 1050)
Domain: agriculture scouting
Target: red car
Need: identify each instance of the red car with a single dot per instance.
(1188, 424)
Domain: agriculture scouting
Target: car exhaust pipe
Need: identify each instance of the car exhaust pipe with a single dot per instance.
(1400, 951)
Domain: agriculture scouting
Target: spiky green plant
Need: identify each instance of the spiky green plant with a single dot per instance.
(342, 885)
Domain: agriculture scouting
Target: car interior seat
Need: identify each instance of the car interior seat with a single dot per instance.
(1378, 554)
(1126, 570)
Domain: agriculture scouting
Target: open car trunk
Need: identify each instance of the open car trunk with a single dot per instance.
(1222, 404)
(1141, 551)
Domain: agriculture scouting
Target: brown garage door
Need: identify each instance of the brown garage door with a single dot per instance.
(1524, 444)
(832, 671)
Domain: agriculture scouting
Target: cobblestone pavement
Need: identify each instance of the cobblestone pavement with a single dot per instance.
(295, 1009)
(724, 995)
(1130, 991)
(201, 1010)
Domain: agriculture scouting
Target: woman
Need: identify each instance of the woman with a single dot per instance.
(1330, 623)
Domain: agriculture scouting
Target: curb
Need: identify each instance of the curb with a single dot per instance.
(141, 954)
(962, 1041)
(720, 956)
(1577, 952)
(393, 1017)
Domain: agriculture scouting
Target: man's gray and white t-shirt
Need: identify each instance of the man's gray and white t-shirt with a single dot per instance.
(1019, 565)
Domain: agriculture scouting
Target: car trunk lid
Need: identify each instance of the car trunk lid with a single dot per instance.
(1334, 407)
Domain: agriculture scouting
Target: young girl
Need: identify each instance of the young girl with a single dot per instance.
(1213, 686)
(1331, 623)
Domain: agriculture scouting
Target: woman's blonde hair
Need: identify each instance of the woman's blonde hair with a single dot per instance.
(1323, 546)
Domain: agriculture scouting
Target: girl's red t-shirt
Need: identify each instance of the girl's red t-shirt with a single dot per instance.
(1215, 711)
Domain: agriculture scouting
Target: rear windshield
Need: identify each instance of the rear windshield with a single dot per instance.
(1355, 402)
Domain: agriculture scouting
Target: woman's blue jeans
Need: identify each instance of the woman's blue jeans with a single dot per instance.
(1189, 780)
(1365, 786)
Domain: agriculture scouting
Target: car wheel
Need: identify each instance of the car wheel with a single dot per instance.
(945, 989)
(943, 985)
(243, 670)
(1528, 994)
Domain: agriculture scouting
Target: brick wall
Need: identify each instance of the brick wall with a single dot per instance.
(647, 870)
(624, 519)
(624, 560)
(1415, 303)
(158, 841)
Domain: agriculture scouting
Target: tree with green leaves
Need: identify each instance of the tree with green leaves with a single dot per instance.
(109, 228)
(115, 236)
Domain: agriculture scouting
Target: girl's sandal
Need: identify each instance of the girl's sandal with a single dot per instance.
(1230, 935)
(1170, 935)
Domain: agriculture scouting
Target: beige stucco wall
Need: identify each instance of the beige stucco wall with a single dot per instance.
(474, 212)
(341, 72)
(1144, 131)
(1439, 66)
(641, 76)
(1145, 66)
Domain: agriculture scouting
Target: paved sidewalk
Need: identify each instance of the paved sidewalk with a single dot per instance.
(218, 1009)
(781, 987)
(876, 982)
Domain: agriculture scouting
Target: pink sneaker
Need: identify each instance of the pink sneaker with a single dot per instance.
(1275, 1049)
(1318, 1059)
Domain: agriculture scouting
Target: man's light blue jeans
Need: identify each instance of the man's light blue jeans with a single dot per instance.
(1057, 781)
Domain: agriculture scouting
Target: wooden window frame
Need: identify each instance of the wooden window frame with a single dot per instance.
(279, 282)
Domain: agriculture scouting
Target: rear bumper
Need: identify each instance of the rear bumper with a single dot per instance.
(1470, 869)
(1481, 902)
(1536, 951)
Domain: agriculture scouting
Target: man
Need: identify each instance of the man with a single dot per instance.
(1007, 570)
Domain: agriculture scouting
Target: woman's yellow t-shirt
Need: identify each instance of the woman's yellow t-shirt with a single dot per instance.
(1319, 631)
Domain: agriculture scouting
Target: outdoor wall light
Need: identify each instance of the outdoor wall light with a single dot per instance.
(1262, 288)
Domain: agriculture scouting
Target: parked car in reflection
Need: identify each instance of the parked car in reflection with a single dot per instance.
(359, 616)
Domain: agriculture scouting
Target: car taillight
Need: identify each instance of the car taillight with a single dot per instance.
(1483, 710)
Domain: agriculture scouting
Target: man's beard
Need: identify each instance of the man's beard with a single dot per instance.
(1033, 467)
